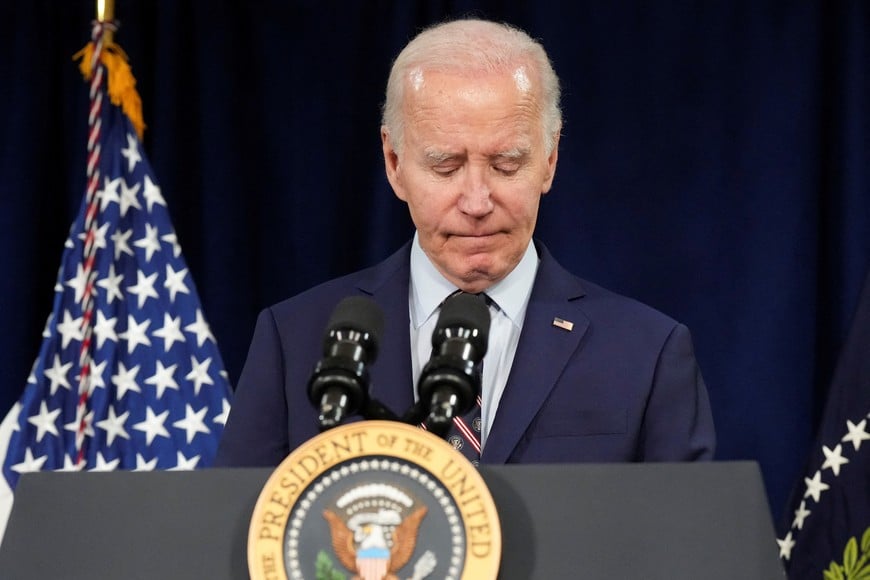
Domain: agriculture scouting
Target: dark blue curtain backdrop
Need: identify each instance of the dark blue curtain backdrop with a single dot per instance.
(714, 164)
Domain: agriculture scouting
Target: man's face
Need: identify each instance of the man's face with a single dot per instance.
(472, 170)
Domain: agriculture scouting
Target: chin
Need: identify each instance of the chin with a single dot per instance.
(481, 276)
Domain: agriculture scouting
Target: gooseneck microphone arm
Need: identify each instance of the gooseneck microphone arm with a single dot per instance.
(339, 384)
(450, 382)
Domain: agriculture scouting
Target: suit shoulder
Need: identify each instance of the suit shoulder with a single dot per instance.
(326, 295)
(600, 301)
(554, 281)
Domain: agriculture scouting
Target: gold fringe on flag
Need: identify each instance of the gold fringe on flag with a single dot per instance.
(121, 83)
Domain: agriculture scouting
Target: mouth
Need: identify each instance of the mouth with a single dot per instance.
(474, 243)
(475, 235)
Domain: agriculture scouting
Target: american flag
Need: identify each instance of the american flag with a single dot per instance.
(128, 375)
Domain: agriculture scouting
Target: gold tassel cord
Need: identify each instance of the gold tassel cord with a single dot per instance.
(121, 83)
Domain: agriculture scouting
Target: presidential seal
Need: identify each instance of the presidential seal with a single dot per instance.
(374, 500)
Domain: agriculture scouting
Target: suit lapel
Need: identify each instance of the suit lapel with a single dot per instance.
(392, 379)
(542, 353)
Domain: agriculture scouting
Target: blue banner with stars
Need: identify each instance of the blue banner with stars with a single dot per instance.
(827, 535)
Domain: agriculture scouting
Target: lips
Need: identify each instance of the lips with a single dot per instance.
(469, 244)
(475, 235)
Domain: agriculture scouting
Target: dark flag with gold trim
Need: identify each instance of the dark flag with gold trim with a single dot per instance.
(827, 535)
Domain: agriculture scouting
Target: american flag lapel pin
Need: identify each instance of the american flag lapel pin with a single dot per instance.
(563, 324)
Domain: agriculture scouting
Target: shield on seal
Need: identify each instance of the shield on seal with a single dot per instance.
(372, 563)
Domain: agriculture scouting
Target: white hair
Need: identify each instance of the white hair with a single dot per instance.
(468, 47)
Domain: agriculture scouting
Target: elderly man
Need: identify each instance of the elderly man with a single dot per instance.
(574, 373)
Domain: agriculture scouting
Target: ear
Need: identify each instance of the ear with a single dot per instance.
(392, 164)
(551, 163)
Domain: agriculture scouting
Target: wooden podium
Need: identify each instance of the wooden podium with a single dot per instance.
(653, 521)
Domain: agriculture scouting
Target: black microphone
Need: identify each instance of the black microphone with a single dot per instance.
(339, 384)
(450, 381)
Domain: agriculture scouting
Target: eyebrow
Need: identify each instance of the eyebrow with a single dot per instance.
(436, 156)
(512, 154)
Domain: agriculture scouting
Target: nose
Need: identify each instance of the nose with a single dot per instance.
(475, 199)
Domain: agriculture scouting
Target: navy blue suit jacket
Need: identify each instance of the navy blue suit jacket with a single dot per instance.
(622, 385)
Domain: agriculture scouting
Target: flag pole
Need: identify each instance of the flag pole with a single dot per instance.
(106, 13)
(101, 38)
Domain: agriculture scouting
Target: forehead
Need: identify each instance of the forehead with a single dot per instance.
(420, 81)
(500, 105)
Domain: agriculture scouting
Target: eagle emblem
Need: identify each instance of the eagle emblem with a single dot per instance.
(371, 538)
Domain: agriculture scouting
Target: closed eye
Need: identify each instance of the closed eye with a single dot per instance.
(509, 162)
(507, 169)
(445, 170)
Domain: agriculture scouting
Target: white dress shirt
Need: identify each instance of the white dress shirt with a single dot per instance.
(428, 289)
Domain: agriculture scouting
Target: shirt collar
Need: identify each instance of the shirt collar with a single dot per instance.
(429, 287)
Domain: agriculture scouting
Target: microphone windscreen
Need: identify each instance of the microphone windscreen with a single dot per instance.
(358, 313)
(467, 311)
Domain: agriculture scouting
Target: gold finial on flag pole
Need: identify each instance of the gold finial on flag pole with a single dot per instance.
(106, 13)
(121, 85)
